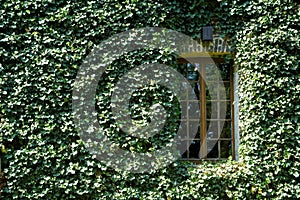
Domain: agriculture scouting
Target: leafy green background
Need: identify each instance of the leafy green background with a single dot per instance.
(42, 45)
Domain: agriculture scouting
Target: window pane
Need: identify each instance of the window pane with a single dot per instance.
(212, 149)
(197, 136)
(225, 71)
(212, 129)
(212, 92)
(184, 90)
(194, 110)
(182, 130)
(185, 154)
(194, 130)
(225, 110)
(196, 89)
(211, 73)
(225, 149)
(192, 72)
(226, 131)
(227, 90)
(184, 110)
(194, 149)
(212, 110)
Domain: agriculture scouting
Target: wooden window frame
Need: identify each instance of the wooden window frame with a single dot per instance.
(203, 121)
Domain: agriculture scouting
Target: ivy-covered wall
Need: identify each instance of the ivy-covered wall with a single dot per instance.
(42, 45)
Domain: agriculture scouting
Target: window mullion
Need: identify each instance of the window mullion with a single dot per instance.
(203, 149)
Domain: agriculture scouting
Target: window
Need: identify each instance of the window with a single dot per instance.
(215, 139)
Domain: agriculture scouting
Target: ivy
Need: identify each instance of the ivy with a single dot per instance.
(43, 44)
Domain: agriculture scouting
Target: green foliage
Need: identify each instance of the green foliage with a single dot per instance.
(42, 45)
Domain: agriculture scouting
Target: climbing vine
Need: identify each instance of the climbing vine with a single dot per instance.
(43, 44)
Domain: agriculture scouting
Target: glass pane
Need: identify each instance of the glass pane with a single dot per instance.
(225, 110)
(183, 147)
(181, 68)
(212, 129)
(207, 94)
(212, 91)
(208, 109)
(192, 72)
(212, 149)
(184, 112)
(227, 90)
(196, 89)
(194, 130)
(194, 110)
(197, 136)
(226, 131)
(211, 72)
(194, 149)
(225, 71)
(182, 130)
(212, 110)
(183, 90)
(185, 155)
(225, 149)
(197, 65)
